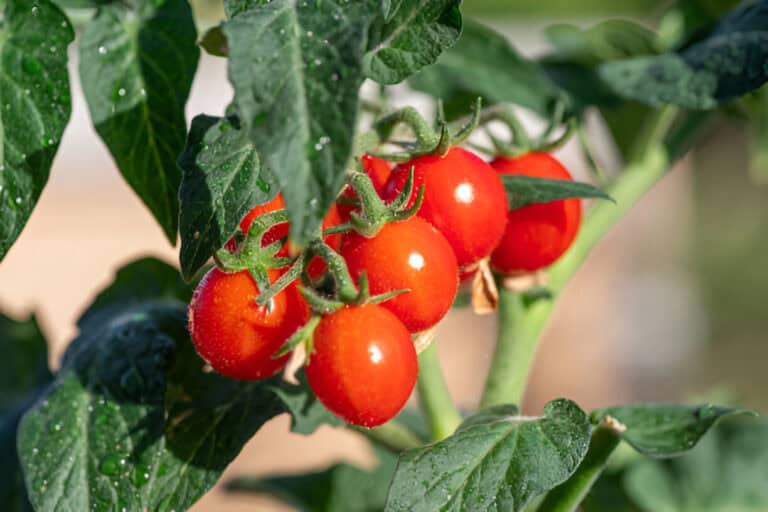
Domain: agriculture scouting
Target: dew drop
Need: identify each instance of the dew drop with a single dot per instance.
(121, 92)
(18, 201)
(35, 10)
(102, 50)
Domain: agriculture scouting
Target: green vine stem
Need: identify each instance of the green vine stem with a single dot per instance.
(520, 325)
(567, 496)
(392, 435)
(434, 399)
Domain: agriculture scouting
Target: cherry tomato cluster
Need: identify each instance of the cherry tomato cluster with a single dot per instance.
(362, 364)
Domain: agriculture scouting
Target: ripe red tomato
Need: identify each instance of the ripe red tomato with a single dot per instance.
(364, 365)
(410, 254)
(317, 266)
(234, 335)
(537, 234)
(463, 198)
(376, 169)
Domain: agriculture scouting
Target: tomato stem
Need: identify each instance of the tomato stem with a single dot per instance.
(568, 496)
(434, 399)
(392, 435)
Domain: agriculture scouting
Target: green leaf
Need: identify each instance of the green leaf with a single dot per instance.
(338, 488)
(222, 180)
(296, 68)
(137, 62)
(133, 422)
(497, 462)
(139, 281)
(725, 472)
(24, 365)
(725, 64)
(34, 106)
(413, 38)
(307, 412)
(665, 430)
(525, 190)
(606, 41)
(23, 373)
(483, 63)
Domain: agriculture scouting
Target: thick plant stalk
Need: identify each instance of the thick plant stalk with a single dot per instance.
(567, 496)
(434, 399)
(520, 325)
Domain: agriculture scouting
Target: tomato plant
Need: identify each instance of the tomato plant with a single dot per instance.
(324, 228)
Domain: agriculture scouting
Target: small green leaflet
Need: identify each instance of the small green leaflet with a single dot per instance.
(414, 37)
(665, 430)
(726, 63)
(222, 180)
(525, 190)
(496, 461)
(34, 106)
(137, 62)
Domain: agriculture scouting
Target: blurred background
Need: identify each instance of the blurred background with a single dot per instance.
(672, 305)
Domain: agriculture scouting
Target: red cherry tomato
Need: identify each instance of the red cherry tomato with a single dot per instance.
(236, 336)
(463, 198)
(317, 266)
(538, 234)
(364, 365)
(378, 170)
(410, 254)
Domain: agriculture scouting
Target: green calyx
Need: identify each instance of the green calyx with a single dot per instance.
(375, 213)
(521, 141)
(428, 139)
(251, 255)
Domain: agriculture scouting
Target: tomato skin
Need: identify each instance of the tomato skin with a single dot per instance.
(234, 335)
(409, 254)
(463, 198)
(364, 365)
(378, 170)
(537, 234)
(317, 266)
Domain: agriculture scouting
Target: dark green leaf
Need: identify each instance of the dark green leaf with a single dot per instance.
(725, 64)
(296, 68)
(136, 67)
(499, 463)
(483, 63)
(413, 38)
(123, 428)
(339, 488)
(222, 180)
(24, 365)
(135, 283)
(22, 374)
(307, 413)
(725, 472)
(525, 190)
(664, 430)
(35, 108)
